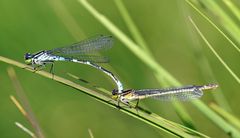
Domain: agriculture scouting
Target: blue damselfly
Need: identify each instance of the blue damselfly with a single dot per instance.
(82, 52)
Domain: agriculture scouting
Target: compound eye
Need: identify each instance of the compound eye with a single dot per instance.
(27, 56)
(114, 92)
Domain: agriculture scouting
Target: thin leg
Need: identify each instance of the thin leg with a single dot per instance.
(128, 104)
(137, 103)
(124, 105)
(136, 106)
(38, 68)
(52, 70)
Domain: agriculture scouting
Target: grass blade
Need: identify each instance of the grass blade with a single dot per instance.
(18, 105)
(25, 130)
(214, 25)
(235, 10)
(67, 19)
(225, 126)
(229, 117)
(223, 18)
(131, 25)
(25, 109)
(90, 133)
(214, 52)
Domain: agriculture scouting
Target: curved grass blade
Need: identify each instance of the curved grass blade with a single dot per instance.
(131, 26)
(235, 10)
(214, 52)
(229, 117)
(224, 19)
(214, 25)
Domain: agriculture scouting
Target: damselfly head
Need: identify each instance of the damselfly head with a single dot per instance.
(114, 92)
(28, 58)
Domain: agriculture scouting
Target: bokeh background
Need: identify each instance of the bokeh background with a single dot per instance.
(30, 26)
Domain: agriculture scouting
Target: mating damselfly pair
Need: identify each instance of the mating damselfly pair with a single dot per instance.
(84, 53)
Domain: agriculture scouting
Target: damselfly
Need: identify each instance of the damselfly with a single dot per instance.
(181, 93)
(83, 52)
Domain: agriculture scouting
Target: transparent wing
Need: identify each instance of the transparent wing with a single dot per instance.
(90, 45)
(180, 96)
(183, 93)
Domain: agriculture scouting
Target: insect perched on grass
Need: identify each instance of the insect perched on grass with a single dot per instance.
(83, 52)
(167, 94)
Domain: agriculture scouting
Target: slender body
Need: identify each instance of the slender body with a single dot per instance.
(182, 93)
(82, 52)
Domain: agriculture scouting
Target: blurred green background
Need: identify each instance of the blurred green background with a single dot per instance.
(30, 26)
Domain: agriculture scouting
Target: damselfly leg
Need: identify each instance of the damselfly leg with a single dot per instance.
(52, 70)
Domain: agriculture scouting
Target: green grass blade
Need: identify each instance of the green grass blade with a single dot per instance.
(163, 75)
(223, 18)
(90, 133)
(67, 19)
(141, 114)
(131, 25)
(229, 117)
(214, 25)
(235, 10)
(26, 130)
(225, 126)
(215, 53)
(203, 63)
